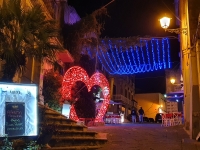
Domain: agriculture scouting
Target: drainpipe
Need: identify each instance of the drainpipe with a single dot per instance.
(111, 87)
(33, 69)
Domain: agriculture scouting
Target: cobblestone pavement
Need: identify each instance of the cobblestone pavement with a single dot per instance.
(146, 136)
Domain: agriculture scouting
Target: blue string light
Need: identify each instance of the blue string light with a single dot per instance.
(149, 62)
(163, 50)
(141, 49)
(104, 65)
(133, 58)
(169, 63)
(128, 60)
(124, 65)
(158, 52)
(152, 49)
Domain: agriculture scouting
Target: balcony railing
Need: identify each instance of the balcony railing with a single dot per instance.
(122, 99)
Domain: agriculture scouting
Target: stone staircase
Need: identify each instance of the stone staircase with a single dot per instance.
(68, 134)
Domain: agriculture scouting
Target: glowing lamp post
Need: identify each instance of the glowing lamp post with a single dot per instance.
(172, 80)
(178, 86)
(160, 109)
(165, 22)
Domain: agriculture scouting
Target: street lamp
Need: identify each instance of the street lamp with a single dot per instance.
(165, 22)
(180, 85)
(172, 80)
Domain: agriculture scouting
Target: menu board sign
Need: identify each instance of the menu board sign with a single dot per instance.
(15, 119)
(18, 109)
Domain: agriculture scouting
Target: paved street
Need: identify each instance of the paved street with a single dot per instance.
(146, 136)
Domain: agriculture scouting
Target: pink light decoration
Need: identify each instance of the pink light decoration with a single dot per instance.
(77, 73)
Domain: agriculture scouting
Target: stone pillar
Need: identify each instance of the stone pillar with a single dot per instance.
(190, 65)
(198, 59)
(195, 91)
(194, 96)
(184, 44)
(41, 97)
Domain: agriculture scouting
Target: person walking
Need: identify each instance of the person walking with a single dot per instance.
(133, 114)
(141, 114)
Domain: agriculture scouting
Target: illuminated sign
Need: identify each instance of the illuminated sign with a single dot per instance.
(18, 109)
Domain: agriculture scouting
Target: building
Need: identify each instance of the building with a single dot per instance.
(174, 90)
(171, 106)
(189, 20)
(122, 90)
(152, 103)
(174, 80)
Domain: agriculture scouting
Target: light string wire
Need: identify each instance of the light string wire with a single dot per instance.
(121, 59)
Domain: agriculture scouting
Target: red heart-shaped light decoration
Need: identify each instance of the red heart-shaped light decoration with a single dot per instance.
(77, 73)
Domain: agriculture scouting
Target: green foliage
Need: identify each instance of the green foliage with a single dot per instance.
(88, 64)
(32, 145)
(52, 84)
(84, 33)
(6, 144)
(24, 33)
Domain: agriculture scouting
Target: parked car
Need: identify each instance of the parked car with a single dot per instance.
(151, 120)
(146, 119)
(158, 118)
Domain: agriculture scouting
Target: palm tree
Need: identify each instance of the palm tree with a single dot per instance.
(24, 33)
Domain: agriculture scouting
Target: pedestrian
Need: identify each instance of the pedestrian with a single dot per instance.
(141, 114)
(133, 114)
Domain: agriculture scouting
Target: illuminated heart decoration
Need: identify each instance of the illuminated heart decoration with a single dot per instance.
(77, 73)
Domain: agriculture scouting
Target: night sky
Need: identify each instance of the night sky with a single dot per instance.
(136, 18)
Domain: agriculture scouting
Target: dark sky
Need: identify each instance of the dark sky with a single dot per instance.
(136, 18)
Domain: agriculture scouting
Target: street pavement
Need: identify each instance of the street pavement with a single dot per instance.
(145, 136)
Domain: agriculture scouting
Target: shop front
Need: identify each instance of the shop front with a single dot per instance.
(114, 114)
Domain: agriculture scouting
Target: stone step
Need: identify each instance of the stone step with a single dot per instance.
(48, 114)
(76, 141)
(73, 133)
(69, 134)
(73, 127)
(58, 120)
(74, 147)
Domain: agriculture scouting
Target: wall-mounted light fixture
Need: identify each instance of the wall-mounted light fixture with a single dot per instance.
(165, 22)
(172, 80)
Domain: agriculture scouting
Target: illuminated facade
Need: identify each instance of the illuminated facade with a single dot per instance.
(188, 12)
(152, 103)
(35, 69)
(122, 90)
